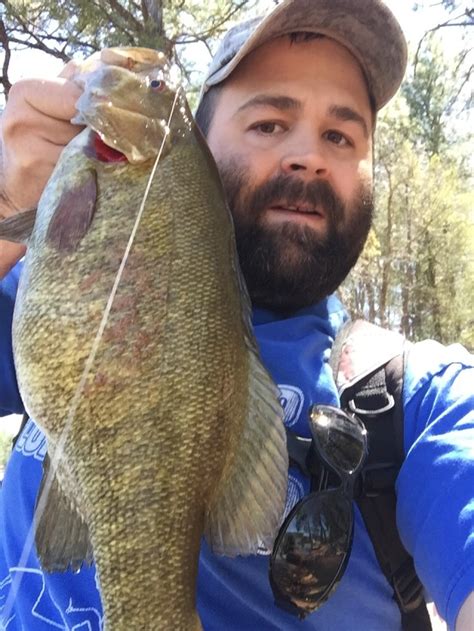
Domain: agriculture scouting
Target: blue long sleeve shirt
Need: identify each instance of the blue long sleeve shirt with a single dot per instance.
(435, 491)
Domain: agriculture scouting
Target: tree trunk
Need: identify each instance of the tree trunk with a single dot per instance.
(386, 255)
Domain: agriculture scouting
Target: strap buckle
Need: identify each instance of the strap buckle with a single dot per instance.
(389, 406)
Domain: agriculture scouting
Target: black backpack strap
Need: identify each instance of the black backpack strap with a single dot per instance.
(368, 365)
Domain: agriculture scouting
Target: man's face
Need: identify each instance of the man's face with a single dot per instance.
(292, 137)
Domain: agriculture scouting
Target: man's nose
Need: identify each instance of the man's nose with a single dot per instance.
(307, 157)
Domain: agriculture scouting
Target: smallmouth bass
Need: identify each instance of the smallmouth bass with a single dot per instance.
(175, 431)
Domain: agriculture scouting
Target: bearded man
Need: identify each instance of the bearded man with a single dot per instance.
(288, 108)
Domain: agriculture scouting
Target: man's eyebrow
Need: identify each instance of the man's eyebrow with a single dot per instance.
(344, 113)
(276, 101)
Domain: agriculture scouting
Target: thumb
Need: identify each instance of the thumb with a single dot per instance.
(70, 69)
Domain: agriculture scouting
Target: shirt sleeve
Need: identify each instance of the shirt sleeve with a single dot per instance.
(10, 400)
(435, 487)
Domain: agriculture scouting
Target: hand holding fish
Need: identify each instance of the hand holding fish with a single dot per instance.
(35, 127)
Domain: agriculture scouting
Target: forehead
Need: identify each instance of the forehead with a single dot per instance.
(305, 68)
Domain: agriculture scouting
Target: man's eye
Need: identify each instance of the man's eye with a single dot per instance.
(267, 128)
(337, 138)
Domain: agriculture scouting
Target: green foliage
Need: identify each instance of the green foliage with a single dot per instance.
(419, 277)
(5, 449)
(80, 27)
(436, 93)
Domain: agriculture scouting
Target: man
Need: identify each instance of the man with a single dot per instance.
(288, 108)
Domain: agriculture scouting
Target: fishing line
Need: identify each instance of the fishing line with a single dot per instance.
(40, 508)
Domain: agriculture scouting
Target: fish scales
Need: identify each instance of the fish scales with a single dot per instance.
(166, 394)
(160, 426)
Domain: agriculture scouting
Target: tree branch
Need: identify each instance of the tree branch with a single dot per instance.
(6, 62)
(36, 42)
(468, 12)
(145, 14)
(155, 12)
(118, 24)
(214, 27)
(454, 98)
(125, 14)
(59, 54)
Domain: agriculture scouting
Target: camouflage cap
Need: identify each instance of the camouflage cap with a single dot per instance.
(366, 27)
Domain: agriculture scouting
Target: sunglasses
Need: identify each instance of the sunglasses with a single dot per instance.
(313, 545)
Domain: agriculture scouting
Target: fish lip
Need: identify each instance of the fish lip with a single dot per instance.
(299, 207)
(99, 97)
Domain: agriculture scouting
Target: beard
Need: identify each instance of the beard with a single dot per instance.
(290, 266)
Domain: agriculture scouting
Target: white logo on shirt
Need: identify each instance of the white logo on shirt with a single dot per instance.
(291, 400)
(4, 590)
(73, 618)
(294, 494)
(32, 442)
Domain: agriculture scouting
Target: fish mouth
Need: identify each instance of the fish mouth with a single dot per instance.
(104, 152)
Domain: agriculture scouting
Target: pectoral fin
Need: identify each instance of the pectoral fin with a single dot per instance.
(248, 507)
(73, 214)
(62, 536)
(19, 227)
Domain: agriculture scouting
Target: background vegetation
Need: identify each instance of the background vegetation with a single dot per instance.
(417, 272)
(5, 449)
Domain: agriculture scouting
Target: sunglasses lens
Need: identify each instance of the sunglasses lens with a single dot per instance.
(341, 439)
(311, 551)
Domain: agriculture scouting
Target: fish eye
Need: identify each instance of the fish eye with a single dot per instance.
(157, 85)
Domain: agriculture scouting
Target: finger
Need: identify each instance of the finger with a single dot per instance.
(54, 97)
(35, 169)
(24, 126)
(55, 131)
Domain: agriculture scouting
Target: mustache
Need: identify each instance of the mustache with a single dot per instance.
(293, 191)
(293, 266)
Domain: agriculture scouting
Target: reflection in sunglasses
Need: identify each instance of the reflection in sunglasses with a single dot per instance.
(313, 546)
